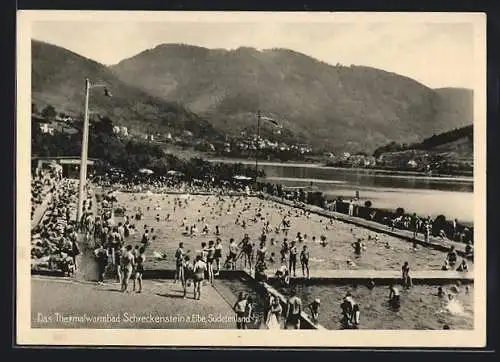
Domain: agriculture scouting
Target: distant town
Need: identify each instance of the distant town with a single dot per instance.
(249, 146)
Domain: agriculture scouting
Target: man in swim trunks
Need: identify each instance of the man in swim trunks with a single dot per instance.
(304, 261)
(352, 310)
(186, 274)
(210, 261)
(179, 261)
(463, 267)
(127, 263)
(199, 269)
(240, 308)
(358, 246)
(293, 311)
(139, 268)
(405, 269)
(452, 257)
(218, 255)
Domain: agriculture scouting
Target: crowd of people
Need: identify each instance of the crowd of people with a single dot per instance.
(43, 182)
(55, 239)
(425, 226)
(173, 183)
(207, 261)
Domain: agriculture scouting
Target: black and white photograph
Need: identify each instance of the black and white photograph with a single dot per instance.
(262, 179)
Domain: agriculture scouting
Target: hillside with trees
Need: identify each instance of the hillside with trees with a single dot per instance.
(338, 108)
(58, 79)
(449, 152)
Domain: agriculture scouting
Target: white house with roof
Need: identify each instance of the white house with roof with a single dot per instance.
(46, 128)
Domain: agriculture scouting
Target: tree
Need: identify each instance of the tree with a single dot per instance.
(34, 108)
(104, 126)
(49, 112)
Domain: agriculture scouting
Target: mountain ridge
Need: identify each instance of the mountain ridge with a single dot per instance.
(317, 102)
(214, 91)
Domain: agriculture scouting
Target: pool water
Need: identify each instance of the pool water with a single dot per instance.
(229, 289)
(420, 309)
(387, 253)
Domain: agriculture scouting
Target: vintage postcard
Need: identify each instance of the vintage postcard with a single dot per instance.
(251, 179)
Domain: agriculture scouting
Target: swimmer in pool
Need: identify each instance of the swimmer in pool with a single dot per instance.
(463, 267)
(371, 284)
(358, 246)
(394, 298)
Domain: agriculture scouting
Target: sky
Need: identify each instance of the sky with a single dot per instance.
(437, 54)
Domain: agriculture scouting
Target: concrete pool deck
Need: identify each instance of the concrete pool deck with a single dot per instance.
(383, 277)
(67, 303)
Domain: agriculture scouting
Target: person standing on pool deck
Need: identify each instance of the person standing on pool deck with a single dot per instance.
(314, 309)
(427, 229)
(210, 261)
(218, 255)
(358, 246)
(139, 268)
(293, 311)
(394, 298)
(233, 254)
(102, 261)
(240, 308)
(304, 261)
(199, 270)
(186, 273)
(405, 269)
(351, 208)
(414, 225)
(452, 257)
(203, 251)
(292, 263)
(179, 261)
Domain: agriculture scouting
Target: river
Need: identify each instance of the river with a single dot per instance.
(424, 195)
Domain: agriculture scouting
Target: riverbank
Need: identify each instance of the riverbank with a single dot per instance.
(373, 171)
